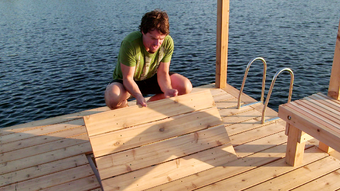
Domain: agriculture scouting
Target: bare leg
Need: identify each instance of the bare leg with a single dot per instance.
(181, 83)
(178, 82)
(116, 96)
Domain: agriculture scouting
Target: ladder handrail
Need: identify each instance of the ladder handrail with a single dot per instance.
(271, 89)
(245, 77)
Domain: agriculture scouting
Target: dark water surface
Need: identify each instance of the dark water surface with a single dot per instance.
(56, 57)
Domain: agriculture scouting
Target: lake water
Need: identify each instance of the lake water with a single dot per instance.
(56, 57)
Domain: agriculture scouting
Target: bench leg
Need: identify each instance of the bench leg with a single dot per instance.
(295, 149)
(325, 147)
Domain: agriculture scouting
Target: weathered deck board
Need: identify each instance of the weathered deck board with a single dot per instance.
(327, 182)
(43, 148)
(52, 179)
(32, 155)
(42, 124)
(241, 165)
(127, 117)
(32, 161)
(178, 140)
(138, 158)
(33, 132)
(143, 134)
(253, 153)
(314, 169)
(37, 140)
(139, 180)
(43, 169)
(87, 183)
(265, 172)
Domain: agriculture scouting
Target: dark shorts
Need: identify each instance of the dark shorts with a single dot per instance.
(148, 86)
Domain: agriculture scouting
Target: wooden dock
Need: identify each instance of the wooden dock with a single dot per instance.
(56, 154)
(52, 154)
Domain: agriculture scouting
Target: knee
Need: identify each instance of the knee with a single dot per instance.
(115, 97)
(181, 83)
(111, 100)
(188, 87)
(185, 87)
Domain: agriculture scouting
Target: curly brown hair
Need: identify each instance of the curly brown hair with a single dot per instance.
(155, 19)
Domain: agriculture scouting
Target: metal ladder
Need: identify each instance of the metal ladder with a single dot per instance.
(263, 86)
(271, 89)
(245, 77)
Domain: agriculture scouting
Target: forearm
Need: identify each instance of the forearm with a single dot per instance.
(132, 88)
(164, 81)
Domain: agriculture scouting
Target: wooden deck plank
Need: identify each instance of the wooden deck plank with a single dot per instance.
(43, 148)
(38, 131)
(309, 117)
(251, 178)
(225, 104)
(50, 121)
(256, 133)
(147, 133)
(127, 117)
(241, 117)
(96, 189)
(235, 92)
(138, 158)
(258, 157)
(254, 154)
(249, 147)
(44, 158)
(179, 168)
(327, 101)
(215, 92)
(300, 176)
(316, 115)
(321, 110)
(231, 112)
(41, 139)
(52, 179)
(222, 96)
(87, 183)
(244, 126)
(43, 169)
(250, 124)
(325, 183)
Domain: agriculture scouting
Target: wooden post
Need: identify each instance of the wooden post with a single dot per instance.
(334, 83)
(295, 149)
(222, 43)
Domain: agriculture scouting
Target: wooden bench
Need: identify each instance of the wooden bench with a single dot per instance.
(138, 148)
(317, 116)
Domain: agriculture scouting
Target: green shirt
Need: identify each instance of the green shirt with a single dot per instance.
(132, 53)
